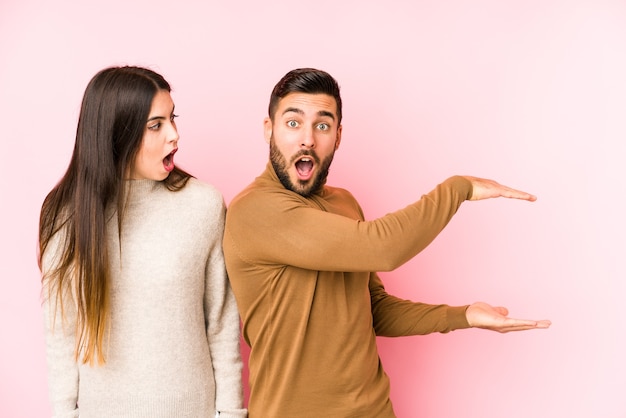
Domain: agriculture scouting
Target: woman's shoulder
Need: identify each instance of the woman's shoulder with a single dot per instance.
(201, 187)
(199, 192)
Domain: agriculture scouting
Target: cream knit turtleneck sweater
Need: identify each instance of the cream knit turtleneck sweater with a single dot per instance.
(173, 345)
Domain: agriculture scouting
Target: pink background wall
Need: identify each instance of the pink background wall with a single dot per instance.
(532, 94)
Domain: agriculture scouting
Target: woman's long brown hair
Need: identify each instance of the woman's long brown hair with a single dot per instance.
(112, 120)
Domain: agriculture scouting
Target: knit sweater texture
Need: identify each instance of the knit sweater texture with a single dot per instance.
(172, 349)
(303, 270)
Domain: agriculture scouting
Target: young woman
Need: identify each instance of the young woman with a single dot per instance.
(140, 317)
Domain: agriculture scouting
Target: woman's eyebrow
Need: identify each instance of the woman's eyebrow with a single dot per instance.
(160, 117)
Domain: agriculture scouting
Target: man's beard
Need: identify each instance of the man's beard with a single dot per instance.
(303, 187)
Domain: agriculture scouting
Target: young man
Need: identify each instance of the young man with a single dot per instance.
(302, 262)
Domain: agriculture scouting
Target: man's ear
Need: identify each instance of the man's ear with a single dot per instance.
(338, 140)
(267, 129)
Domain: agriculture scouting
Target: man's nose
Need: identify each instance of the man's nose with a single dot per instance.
(308, 139)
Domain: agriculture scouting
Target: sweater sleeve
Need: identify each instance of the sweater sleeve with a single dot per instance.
(289, 230)
(60, 328)
(222, 320)
(395, 317)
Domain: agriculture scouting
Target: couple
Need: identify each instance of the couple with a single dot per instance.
(142, 318)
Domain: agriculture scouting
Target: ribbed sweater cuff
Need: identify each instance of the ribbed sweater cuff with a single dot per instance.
(457, 318)
(462, 185)
(234, 413)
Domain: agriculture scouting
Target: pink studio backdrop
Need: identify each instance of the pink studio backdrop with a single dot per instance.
(532, 94)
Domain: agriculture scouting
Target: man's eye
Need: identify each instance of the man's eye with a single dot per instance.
(323, 127)
(292, 124)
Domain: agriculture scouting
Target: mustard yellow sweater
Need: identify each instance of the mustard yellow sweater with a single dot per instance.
(303, 271)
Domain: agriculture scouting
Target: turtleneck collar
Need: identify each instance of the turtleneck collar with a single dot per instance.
(138, 190)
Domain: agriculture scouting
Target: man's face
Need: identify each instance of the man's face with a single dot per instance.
(303, 138)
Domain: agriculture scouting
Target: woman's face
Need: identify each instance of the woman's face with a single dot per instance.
(155, 159)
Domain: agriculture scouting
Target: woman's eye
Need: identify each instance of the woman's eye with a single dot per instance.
(155, 127)
(173, 117)
(323, 127)
(292, 124)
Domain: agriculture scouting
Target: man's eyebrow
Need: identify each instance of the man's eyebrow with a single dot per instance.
(294, 109)
(326, 113)
(301, 112)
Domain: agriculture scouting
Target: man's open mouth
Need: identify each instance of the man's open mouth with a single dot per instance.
(304, 166)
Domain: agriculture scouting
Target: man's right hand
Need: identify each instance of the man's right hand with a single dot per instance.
(487, 189)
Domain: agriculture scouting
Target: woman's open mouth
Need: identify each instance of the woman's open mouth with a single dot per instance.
(168, 161)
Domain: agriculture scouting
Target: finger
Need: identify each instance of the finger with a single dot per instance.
(524, 196)
(515, 329)
(523, 325)
(518, 194)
